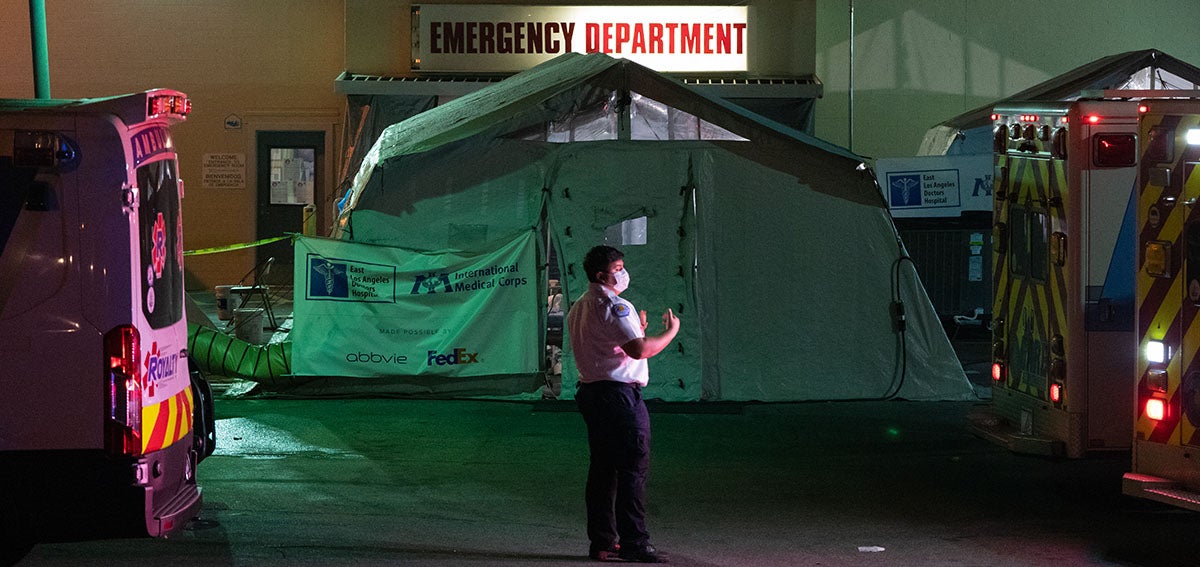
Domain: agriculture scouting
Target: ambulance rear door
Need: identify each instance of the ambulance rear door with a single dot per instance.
(1107, 174)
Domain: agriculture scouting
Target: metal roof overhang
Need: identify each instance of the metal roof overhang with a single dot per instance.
(458, 85)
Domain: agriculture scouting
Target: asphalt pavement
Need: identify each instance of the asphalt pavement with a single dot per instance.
(442, 483)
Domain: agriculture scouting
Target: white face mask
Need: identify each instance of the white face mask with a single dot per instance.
(622, 280)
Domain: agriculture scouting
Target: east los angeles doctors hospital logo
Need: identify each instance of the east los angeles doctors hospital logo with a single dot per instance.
(336, 279)
(328, 279)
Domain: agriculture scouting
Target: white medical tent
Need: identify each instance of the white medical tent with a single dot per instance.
(775, 248)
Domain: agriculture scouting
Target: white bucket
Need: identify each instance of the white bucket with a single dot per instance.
(248, 325)
(227, 302)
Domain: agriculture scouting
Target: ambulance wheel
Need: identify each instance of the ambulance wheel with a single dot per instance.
(204, 431)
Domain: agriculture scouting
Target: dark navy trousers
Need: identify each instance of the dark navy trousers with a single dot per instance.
(618, 428)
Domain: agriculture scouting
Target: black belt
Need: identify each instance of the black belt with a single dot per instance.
(609, 384)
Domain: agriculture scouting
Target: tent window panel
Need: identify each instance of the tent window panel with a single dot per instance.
(597, 122)
(559, 131)
(653, 120)
(648, 119)
(710, 131)
(630, 232)
(684, 126)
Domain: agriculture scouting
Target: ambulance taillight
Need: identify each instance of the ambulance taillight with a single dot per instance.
(123, 392)
(999, 371)
(1156, 409)
(1056, 392)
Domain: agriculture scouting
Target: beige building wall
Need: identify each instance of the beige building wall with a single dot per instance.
(270, 62)
(273, 64)
(920, 62)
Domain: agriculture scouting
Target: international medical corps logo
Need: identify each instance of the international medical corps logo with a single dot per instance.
(431, 282)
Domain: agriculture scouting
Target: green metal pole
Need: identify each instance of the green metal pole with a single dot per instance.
(41, 56)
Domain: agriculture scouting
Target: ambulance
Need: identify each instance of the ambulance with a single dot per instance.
(102, 424)
(1166, 443)
(1063, 306)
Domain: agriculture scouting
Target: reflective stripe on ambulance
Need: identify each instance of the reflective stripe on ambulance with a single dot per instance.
(1160, 299)
(167, 422)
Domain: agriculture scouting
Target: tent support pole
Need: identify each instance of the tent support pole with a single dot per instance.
(623, 108)
(850, 89)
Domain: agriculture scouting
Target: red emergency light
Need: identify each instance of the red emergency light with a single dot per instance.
(1156, 409)
(168, 104)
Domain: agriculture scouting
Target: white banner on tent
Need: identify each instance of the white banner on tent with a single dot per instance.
(363, 310)
(936, 186)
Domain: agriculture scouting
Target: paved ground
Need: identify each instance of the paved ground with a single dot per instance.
(441, 483)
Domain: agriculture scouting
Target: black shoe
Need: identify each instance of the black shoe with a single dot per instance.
(643, 554)
(608, 553)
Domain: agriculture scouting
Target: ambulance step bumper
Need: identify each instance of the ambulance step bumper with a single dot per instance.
(177, 512)
(1160, 490)
(996, 429)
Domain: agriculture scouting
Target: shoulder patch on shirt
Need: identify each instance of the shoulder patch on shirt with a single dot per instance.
(621, 310)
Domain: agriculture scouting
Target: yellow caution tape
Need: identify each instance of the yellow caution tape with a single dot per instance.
(231, 247)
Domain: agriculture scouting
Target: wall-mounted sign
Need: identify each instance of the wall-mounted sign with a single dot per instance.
(223, 171)
(505, 38)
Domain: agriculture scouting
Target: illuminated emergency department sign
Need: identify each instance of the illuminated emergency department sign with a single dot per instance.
(504, 38)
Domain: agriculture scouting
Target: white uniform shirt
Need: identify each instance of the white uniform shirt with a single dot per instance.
(598, 324)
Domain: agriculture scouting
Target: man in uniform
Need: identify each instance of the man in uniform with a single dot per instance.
(610, 347)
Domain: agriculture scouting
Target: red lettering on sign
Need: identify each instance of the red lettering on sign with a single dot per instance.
(639, 40)
(605, 37)
(622, 36)
(591, 35)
